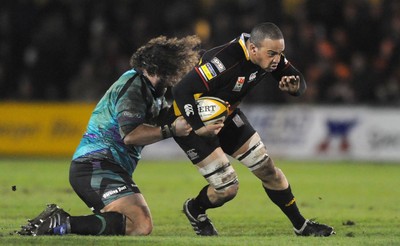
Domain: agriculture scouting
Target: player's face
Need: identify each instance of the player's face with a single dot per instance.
(268, 54)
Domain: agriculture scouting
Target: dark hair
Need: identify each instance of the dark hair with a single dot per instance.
(263, 31)
(168, 58)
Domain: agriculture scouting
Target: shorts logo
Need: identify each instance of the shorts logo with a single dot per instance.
(239, 84)
(217, 62)
(192, 154)
(114, 191)
(188, 109)
(238, 121)
(207, 71)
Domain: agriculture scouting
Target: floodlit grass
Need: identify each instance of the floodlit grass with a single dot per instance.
(361, 200)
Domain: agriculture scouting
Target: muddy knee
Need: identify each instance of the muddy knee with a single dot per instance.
(223, 181)
(257, 160)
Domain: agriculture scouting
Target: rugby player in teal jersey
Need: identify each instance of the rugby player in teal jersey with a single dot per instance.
(128, 117)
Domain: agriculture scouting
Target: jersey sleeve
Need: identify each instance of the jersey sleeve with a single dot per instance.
(285, 68)
(131, 108)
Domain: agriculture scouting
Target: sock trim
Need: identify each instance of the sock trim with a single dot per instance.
(103, 224)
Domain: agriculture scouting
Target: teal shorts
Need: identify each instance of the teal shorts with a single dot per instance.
(100, 182)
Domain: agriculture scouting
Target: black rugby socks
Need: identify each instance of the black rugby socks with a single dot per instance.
(285, 200)
(201, 203)
(109, 223)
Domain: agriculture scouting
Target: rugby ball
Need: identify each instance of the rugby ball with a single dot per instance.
(212, 109)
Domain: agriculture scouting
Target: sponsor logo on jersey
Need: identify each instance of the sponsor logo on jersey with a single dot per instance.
(239, 84)
(130, 115)
(218, 64)
(114, 191)
(253, 76)
(207, 71)
(188, 109)
(285, 61)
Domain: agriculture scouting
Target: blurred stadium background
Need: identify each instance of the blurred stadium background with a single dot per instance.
(57, 58)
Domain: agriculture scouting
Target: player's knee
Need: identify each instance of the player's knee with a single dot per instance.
(268, 168)
(139, 228)
(257, 160)
(229, 192)
(139, 221)
(219, 197)
(269, 174)
(223, 178)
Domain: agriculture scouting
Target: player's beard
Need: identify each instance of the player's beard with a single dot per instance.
(160, 88)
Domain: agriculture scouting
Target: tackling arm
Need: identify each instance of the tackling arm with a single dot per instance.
(145, 134)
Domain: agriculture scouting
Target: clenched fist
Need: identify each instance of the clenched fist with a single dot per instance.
(290, 84)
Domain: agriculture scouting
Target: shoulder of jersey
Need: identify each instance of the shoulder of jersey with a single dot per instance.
(212, 109)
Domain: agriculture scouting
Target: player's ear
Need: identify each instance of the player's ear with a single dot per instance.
(253, 48)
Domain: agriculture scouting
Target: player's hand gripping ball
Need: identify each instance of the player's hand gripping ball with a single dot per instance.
(212, 109)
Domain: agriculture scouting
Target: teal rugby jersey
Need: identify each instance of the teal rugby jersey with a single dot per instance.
(129, 102)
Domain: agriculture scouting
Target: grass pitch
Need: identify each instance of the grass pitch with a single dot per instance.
(360, 200)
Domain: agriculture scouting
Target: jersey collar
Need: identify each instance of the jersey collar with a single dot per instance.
(242, 41)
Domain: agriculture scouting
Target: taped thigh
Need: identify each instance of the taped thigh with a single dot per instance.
(255, 156)
(219, 175)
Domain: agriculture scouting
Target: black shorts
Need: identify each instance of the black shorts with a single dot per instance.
(236, 131)
(98, 183)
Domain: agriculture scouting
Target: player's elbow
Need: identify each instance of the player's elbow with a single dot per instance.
(130, 139)
(134, 140)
